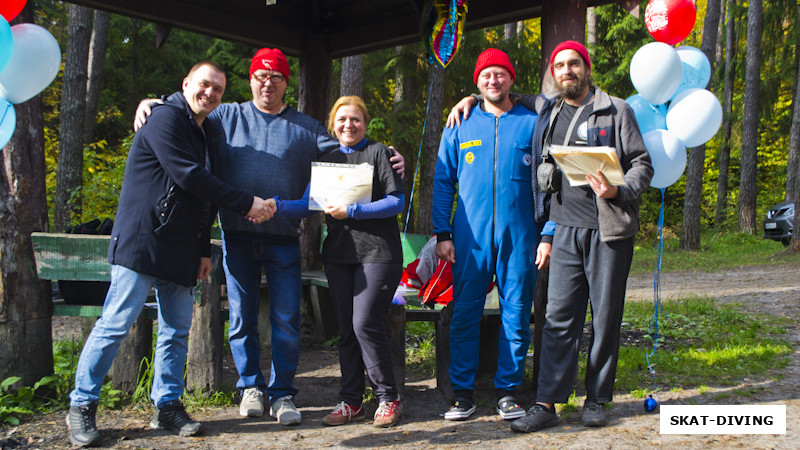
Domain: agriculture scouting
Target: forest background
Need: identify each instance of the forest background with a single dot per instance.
(398, 85)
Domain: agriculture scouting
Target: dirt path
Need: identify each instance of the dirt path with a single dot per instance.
(768, 289)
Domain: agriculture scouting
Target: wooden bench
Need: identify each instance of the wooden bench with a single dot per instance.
(83, 258)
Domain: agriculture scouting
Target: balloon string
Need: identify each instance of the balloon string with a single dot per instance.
(5, 111)
(654, 328)
(419, 154)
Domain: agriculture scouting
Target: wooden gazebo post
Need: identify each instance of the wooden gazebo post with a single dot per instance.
(315, 89)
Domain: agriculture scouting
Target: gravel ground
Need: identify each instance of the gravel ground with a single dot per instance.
(773, 290)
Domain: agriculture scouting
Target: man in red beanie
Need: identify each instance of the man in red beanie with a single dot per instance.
(594, 226)
(268, 147)
(493, 233)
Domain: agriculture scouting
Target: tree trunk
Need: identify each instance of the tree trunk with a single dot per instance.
(406, 93)
(692, 206)
(433, 132)
(352, 77)
(793, 159)
(591, 28)
(560, 21)
(724, 156)
(793, 166)
(69, 174)
(26, 346)
(752, 81)
(510, 31)
(97, 58)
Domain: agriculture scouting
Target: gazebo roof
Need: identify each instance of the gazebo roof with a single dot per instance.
(348, 26)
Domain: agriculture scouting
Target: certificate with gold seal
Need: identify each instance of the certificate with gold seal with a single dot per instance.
(339, 184)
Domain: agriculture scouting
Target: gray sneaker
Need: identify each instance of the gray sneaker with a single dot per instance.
(252, 403)
(283, 409)
(594, 414)
(82, 428)
(173, 417)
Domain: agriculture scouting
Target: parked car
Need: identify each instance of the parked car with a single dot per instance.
(778, 223)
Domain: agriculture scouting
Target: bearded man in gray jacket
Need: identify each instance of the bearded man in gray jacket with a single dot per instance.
(592, 245)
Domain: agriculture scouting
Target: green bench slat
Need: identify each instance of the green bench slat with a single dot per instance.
(412, 244)
(62, 309)
(61, 256)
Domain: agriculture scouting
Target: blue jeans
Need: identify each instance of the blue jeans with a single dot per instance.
(124, 302)
(244, 259)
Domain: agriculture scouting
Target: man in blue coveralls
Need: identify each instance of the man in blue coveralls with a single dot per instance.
(494, 232)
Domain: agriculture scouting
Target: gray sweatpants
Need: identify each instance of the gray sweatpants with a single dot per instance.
(582, 268)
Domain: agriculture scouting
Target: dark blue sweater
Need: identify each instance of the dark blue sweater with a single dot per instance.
(269, 155)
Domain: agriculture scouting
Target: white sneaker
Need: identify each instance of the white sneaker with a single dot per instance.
(283, 409)
(252, 403)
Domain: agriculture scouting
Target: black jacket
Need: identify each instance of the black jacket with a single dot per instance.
(164, 217)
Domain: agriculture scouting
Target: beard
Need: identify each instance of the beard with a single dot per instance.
(496, 99)
(574, 90)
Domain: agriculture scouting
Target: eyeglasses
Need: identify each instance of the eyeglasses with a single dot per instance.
(262, 78)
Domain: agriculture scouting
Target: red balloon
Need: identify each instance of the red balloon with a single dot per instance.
(11, 8)
(670, 21)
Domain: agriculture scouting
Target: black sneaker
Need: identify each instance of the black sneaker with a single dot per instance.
(461, 410)
(173, 417)
(537, 418)
(508, 408)
(82, 428)
(594, 414)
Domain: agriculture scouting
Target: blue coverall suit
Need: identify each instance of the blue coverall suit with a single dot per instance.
(494, 234)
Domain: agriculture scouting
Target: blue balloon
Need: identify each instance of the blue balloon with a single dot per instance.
(650, 117)
(650, 404)
(696, 69)
(6, 43)
(8, 120)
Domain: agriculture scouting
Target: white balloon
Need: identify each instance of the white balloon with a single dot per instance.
(656, 72)
(668, 155)
(694, 116)
(33, 65)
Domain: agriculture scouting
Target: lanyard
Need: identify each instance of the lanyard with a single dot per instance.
(556, 110)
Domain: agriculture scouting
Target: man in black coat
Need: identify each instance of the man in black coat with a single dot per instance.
(161, 239)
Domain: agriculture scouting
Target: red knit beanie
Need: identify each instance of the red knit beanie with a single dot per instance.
(571, 45)
(270, 59)
(493, 57)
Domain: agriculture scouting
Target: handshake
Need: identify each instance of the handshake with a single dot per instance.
(262, 210)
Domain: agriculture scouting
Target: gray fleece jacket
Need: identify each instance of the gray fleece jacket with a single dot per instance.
(611, 123)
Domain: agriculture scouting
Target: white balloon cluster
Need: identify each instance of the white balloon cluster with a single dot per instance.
(29, 62)
(673, 108)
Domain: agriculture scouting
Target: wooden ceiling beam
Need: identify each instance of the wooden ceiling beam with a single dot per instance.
(264, 29)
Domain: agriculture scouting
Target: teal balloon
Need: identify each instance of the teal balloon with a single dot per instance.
(33, 65)
(8, 120)
(6, 43)
(650, 117)
(696, 69)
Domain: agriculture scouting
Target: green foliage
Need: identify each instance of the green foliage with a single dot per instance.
(134, 69)
(421, 355)
(702, 341)
(619, 36)
(719, 251)
(24, 400)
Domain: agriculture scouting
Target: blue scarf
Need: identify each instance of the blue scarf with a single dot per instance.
(347, 150)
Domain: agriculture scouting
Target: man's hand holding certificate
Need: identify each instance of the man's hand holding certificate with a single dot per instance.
(577, 162)
(339, 184)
